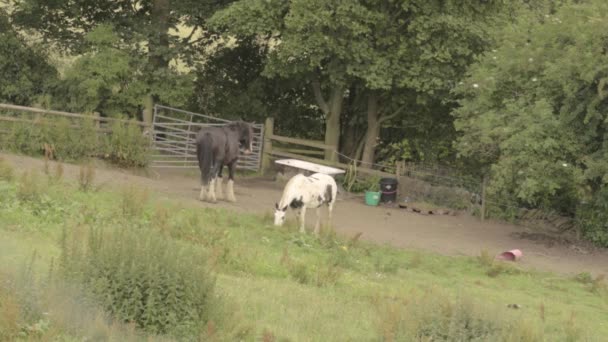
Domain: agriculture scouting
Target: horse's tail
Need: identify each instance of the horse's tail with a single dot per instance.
(204, 152)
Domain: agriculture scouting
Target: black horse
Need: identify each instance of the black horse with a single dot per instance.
(219, 146)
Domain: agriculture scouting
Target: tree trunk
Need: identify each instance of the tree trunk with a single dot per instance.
(373, 130)
(332, 125)
(148, 113)
(158, 41)
(158, 47)
(332, 110)
(348, 138)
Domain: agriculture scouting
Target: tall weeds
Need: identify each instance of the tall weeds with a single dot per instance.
(74, 140)
(434, 316)
(133, 201)
(86, 177)
(161, 286)
(6, 171)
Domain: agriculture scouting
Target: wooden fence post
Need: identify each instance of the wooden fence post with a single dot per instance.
(484, 183)
(267, 148)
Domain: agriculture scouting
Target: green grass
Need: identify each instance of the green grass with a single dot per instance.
(279, 285)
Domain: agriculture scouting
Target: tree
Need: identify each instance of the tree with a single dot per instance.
(230, 85)
(420, 49)
(534, 110)
(155, 23)
(26, 72)
(383, 45)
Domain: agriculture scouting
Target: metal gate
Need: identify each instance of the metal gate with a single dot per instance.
(174, 133)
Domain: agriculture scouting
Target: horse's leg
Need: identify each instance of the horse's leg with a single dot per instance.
(303, 219)
(218, 185)
(318, 224)
(230, 188)
(211, 194)
(330, 210)
(201, 195)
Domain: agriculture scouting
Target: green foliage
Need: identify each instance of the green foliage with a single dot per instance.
(353, 49)
(127, 146)
(533, 109)
(356, 183)
(437, 317)
(106, 80)
(29, 188)
(593, 218)
(133, 202)
(141, 277)
(25, 68)
(230, 84)
(342, 277)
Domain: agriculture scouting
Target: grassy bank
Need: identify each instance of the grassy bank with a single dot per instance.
(273, 284)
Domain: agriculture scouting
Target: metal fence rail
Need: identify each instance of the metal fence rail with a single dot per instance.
(174, 133)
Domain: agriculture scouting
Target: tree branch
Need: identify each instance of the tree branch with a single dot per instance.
(187, 39)
(316, 88)
(391, 116)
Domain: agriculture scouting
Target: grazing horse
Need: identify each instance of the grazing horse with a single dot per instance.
(216, 147)
(303, 192)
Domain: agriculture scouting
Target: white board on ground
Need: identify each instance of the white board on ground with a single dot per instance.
(305, 165)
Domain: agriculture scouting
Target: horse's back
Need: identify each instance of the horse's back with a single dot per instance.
(324, 179)
(325, 185)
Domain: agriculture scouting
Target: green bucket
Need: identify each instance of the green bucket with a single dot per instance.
(372, 198)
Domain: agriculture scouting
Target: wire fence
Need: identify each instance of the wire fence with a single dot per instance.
(445, 186)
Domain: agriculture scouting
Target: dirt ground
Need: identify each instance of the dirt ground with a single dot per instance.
(447, 235)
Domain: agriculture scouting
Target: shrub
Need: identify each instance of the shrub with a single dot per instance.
(25, 138)
(73, 143)
(127, 146)
(76, 140)
(592, 218)
(434, 316)
(141, 277)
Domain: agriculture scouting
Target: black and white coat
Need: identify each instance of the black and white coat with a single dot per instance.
(303, 192)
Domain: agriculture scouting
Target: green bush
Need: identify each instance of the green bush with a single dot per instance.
(73, 143)
(592, 218)
(141, 277)
(127, 146)
(435, 316)
(25, 138)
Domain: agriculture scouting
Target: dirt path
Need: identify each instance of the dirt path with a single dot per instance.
(448, 235)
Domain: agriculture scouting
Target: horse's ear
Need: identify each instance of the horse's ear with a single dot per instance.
(276, 206)
(285, 208)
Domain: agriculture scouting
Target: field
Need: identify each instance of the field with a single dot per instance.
(270, 284)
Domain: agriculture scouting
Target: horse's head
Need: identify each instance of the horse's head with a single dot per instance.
(279, 215)
(245, 136)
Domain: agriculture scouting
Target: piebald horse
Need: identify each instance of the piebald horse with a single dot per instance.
(217, 147)
(303, 192)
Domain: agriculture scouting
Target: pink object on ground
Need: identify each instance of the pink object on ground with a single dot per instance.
(512, 255)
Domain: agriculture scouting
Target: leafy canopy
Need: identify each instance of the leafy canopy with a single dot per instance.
(534, 110)
(423, 45)
(26, 72)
